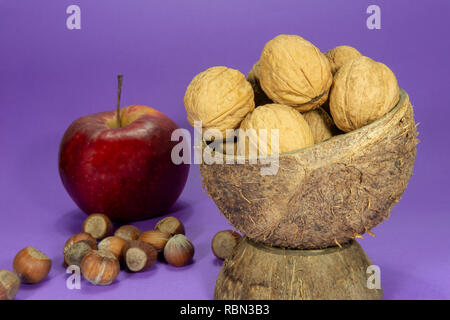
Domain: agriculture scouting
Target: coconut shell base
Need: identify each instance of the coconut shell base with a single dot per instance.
(258, 272)
(323, 195)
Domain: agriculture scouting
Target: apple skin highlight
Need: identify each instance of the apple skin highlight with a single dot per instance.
(123, 172)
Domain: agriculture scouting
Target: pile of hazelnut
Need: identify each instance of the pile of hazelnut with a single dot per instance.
(100, 262)
(137, 251)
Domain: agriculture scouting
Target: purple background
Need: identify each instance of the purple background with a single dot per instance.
(50, 76)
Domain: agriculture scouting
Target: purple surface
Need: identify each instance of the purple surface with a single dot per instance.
(50, 76)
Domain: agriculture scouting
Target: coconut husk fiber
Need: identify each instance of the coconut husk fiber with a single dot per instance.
(258, 272)
(323, 195)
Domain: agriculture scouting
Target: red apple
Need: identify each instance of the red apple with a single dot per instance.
(126, 171)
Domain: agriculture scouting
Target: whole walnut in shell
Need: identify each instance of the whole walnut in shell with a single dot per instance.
(293, 130)
(292, 71)
(321, 124)
(220, 98)
(363, 91)
(341, 55)
(261, 97)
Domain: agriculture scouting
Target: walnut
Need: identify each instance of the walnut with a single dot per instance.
(293, 130)
(228, 148)
(220, 98)
(321, 124)
(363, 91)
(292, 71)
(261, 97)
(341, 55)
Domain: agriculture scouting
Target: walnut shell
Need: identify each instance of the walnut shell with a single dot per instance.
(321, 124)
(220, 97)
(261, 97)
(363, 91)
(341, 55)
(292, 71)
(294, 131)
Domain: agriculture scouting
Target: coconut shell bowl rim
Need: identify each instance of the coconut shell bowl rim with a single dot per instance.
(400, 102)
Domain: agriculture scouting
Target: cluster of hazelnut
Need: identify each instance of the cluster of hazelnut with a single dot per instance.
(30, 266)
(307, 95)
(100, 263)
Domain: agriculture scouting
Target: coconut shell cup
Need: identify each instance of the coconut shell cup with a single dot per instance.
(323, 195)
(259, 272)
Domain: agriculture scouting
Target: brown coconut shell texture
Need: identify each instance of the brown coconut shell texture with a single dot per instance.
(323, 195)
(258, 272)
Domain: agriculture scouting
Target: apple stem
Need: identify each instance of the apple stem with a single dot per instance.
(119, 92)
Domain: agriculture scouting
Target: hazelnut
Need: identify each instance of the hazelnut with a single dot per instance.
(76, 252)
(98, 225)
(178, 251)
(139, 255)
(31, 265)
(170, 225)
(100, 267)
(156, 238)
(114, 245)
(224, 243)
(128, 232)
(9, 285)
(83, 236)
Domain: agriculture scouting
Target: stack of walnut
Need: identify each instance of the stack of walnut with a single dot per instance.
(307, 95)
(137, 251)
